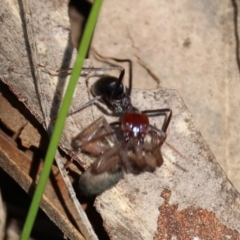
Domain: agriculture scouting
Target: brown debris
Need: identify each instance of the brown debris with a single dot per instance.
(13, 119)
(30, 136)
(56, 201)
(190, 223)
(11, 116)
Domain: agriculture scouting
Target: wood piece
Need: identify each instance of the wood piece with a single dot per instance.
(38, 49)
(15, 121)
(191, 222)
(193, 47)
(193, 178)
(10, 116)
(16, 63)
(42, 86)
(30, 136)
(18, 166)
(190, 171)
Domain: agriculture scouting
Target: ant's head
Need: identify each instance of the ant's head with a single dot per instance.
(135, 126)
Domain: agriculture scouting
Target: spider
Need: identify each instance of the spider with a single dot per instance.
(129, 145)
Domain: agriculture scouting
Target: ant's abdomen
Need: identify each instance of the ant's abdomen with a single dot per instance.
(105, 86)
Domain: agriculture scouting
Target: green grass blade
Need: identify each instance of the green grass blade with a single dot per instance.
(87, 35)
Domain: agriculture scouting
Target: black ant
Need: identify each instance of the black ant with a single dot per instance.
(132, 144)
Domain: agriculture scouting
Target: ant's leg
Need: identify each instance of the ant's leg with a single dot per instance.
(159, 131)
(68, 163)
(92, 72)
(166, 112)
(92, 101)
(86, 70)
(52, 71)
(120, 78)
